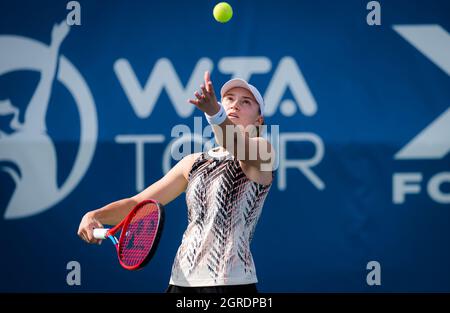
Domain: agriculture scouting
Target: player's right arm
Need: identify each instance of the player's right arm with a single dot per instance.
(164, 191)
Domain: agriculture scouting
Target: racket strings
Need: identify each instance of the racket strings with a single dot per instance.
(140, 235)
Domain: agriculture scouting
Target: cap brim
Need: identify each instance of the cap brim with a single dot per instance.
(234, 83)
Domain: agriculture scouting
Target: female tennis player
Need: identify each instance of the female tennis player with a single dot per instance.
(225, 191)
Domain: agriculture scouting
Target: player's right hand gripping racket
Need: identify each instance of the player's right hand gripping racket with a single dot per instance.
(139, 238)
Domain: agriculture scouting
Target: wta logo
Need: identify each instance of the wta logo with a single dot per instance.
(433, 142)
(27, 151)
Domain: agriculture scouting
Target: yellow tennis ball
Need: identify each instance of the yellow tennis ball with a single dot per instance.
(223, 12)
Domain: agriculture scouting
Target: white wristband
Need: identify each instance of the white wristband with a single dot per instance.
(217, 118)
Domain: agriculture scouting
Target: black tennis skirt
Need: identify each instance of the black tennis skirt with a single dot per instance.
(231, 289)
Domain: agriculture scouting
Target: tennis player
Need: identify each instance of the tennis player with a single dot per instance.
(225, 191)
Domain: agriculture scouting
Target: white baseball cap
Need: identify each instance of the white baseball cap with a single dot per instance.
(237, 82)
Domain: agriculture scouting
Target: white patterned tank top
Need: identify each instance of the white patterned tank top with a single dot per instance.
(223, 209)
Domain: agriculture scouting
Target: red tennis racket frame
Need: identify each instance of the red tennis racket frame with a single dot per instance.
(124, 225)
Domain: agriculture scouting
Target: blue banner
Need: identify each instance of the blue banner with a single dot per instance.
(357, 92)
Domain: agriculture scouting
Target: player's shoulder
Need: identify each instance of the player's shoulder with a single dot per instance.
(190, 159)
(263, 143)
(193, 156)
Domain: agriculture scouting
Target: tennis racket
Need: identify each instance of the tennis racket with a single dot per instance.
(140, 232)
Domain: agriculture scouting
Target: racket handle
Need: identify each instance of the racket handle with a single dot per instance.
(100, 233)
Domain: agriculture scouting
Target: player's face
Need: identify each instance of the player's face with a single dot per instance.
(241, 107)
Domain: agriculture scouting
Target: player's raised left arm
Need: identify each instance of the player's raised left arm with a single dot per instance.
(254, 152)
